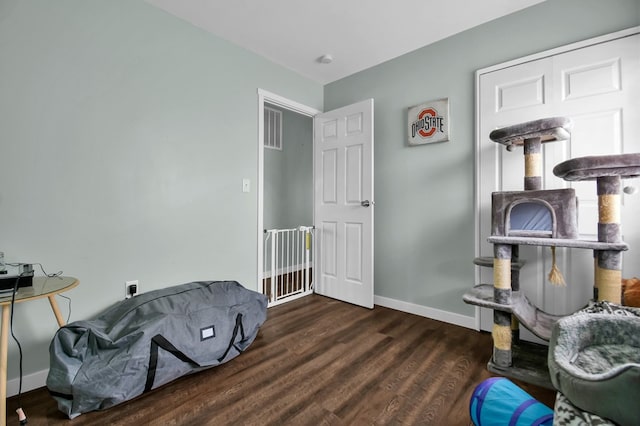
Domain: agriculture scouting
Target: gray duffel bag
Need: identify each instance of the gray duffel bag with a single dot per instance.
(149, 340)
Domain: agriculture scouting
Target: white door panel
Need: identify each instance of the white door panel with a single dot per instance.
(597, 87)
(343, 152)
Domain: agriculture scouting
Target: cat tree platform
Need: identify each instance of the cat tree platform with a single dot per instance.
(487, 262)
(559, 242)
(545, 130)
(532, 318)
(529, 365)
(599, 166)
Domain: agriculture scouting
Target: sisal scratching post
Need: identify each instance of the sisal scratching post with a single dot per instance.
(608, 272)
(501, 332)
(501, 337)
(515, 329)
(555, 276)
(609, 284)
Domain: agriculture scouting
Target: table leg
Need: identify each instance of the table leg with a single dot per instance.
(4, 346)
(56, 310)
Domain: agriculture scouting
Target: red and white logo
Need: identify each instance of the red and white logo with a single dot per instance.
(428, 123)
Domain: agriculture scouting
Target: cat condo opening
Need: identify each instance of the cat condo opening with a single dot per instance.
(533, 218)
(538, 214)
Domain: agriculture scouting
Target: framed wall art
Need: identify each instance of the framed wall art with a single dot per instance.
(428, 122)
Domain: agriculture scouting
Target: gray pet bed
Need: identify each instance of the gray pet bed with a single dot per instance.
(594, 361)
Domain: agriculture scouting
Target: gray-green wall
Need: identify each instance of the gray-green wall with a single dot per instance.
(125, 134)
(288, 175)
(424, 221)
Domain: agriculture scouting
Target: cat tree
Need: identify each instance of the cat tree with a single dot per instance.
(546, 217)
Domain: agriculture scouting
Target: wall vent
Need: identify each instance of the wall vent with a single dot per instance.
(272, 128)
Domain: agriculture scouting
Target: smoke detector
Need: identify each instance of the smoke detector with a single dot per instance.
(325, 59)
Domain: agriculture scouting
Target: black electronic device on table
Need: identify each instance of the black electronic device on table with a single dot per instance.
(23, 273)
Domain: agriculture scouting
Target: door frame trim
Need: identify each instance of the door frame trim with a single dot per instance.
(479, 73)
(288, 104)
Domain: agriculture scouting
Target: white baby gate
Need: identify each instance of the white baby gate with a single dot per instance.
(288, 272)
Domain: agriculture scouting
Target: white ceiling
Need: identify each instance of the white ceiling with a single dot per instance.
(358, 34)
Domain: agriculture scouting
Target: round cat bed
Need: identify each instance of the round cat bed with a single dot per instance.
(594, 360)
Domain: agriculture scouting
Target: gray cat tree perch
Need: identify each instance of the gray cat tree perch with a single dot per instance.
(541, 217)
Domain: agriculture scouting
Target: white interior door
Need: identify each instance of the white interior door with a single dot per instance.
(597, 87)
(343, 203)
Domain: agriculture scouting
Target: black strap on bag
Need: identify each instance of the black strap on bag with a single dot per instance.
(232, 342)
(61, 395)
(159, 341)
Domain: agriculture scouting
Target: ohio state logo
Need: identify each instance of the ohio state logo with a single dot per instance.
(428, 122)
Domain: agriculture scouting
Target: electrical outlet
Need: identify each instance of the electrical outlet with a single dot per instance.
(131, 288)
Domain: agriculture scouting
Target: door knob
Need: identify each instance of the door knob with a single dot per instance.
(630, 190)
(367, 203)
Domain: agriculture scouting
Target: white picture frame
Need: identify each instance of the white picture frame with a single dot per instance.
(428, 122)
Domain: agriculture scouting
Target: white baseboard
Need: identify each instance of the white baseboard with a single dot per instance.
(425, 311)
(29, 382)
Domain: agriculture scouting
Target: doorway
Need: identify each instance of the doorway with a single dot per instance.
(285, 197)
(343, 198)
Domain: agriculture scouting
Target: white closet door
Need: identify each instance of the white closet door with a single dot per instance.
(597, 87)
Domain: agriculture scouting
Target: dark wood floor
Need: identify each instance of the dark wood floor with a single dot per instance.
(317, 361)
